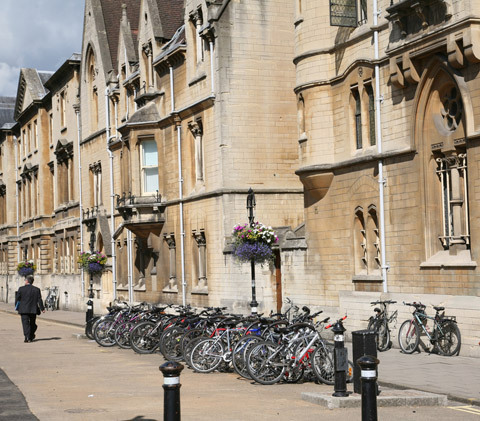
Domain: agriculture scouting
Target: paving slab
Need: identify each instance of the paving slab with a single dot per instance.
(387, 397)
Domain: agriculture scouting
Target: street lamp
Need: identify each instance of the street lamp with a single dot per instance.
(251, 218)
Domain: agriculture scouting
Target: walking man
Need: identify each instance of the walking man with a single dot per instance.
(29, 303)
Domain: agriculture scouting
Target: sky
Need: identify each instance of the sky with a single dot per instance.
(39, 34)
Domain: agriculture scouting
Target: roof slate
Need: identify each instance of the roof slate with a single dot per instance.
(171, 15)
(7, 107)
(112, 15)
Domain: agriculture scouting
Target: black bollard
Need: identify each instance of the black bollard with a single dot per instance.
(89, 314)
(340, 360)
(368, 365)
(171, 384)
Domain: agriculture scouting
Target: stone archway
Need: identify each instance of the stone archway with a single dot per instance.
(440, 138)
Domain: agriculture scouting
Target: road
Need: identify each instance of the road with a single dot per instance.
(66, 378)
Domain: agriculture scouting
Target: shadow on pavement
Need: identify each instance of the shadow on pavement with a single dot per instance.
(13, 404)
(141, 418)
(55, 338)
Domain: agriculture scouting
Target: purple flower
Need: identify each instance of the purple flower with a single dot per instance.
(258, 251)
(25, 271)
(95, 267)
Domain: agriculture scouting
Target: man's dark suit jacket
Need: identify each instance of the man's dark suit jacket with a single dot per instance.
(29, 299)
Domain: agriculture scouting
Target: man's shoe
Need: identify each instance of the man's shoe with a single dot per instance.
(26, 340)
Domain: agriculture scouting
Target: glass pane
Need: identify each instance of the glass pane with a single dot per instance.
(150, 179)
(150, 156)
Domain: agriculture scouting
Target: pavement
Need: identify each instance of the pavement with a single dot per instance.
(63, 376)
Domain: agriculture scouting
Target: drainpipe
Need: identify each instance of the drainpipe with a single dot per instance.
(16, 198)
(112, 194)
(180, 195)
(172, 96)
(212, 75)
(79, 136)
(381, 180)
(178, 123)
(130, 266)
(115, 105)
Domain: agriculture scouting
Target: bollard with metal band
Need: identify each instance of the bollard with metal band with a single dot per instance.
(171, 385)
(340, 359)
(368, 365)
(89, 314)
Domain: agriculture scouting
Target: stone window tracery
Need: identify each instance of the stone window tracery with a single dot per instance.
(452, 172)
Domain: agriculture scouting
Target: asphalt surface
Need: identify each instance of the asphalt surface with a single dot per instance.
(63, 378)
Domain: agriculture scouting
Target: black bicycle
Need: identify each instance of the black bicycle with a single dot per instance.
(380, 324)
(444, 335)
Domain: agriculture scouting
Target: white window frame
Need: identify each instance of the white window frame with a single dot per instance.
(144, 167)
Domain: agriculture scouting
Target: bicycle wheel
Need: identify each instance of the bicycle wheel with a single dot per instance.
(371, 323)
(409, 336)
(90, 326)
(294, 374)
(170, 343)
(104, 333)
(186, 341)
(239, 354)
(122, 335)
(188, 351)
(265, 363)
(323, 364)
(207, 355)
(144, 338)
(383, 337)
(449, 339)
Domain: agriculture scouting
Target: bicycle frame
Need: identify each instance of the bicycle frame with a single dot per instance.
(420, 317)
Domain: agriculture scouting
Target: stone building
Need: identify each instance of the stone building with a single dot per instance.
(190, 124)
(356, 130)
(7, 192)
(390, 104)
(40, 205)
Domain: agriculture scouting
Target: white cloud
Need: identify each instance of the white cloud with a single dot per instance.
(8, 79)
(40, 34)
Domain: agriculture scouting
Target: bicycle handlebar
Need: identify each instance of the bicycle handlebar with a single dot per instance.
(383, 302)
(416, 305)
(338, 321)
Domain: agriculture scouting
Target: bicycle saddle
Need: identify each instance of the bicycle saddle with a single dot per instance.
(439, 308)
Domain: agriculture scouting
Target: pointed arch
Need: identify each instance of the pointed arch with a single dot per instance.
(91, 76)
(443, 120)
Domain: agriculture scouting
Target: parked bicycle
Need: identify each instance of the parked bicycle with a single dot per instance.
(380, 324)
(444, 336)
(51, 302)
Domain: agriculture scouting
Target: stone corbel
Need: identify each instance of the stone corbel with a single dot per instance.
(410, 72)
(471, 44)
(317, 185)
(454, 51)
(396, 72)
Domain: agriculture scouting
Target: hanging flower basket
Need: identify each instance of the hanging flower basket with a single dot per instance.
(92, 262)
(26, 268)
(253, 243)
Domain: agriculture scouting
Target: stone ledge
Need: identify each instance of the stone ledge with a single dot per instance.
(387, 397)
